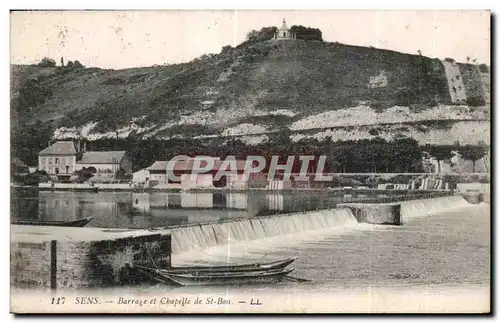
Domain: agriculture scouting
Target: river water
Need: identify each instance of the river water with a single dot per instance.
(446, 247)
(162, 209)
(437, 262)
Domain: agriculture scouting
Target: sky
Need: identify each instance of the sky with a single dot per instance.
(123, 39)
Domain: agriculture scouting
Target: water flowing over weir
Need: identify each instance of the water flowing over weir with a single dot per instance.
(202, 236)
(206, 235)
(422, 207)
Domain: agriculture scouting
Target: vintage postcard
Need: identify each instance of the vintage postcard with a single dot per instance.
(240, 161)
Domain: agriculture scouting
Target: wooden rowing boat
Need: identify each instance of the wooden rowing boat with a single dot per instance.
(280, 264)
(75, 223)
(228, 278)
(207, 275)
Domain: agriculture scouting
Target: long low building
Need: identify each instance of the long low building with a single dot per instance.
(156, 175)
(105, 161)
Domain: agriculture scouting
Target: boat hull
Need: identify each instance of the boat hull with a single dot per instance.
(76, 223)
(231, 279)
(235, 268)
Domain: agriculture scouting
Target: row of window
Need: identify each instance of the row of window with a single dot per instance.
(65, 169)
(57, 161)
(58, 170)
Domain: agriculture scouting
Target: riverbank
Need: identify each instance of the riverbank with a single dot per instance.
(126, 187)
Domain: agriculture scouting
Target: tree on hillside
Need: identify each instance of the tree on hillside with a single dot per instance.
(77, 64)
(47, 62)
(283, 136)
(265, 33)
(32, 93)
(252, 35)
(226, 49)
(473, 153)
(440, 153)
(483, 68)
(306, 33)
(407, 155)
(343, 157)
(475, 101)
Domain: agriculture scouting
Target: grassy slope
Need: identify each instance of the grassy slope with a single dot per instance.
(307, 77)
(472, 81)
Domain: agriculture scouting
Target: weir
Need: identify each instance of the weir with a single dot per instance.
(417, 208)
(202, 236)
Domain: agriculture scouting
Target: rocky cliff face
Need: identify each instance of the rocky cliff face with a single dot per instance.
(329, 91)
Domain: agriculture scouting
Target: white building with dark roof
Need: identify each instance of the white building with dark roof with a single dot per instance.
(58, 159)
(105, 161)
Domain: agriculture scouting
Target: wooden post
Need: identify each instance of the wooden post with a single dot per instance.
(53, 264)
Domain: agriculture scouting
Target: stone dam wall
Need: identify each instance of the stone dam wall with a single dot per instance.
(54, 257)
(375, 213)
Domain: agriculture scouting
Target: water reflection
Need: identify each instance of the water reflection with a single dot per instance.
(275, 201)
(145, 202)
(157, 209)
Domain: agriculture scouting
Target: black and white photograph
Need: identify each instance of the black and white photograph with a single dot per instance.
(250, 161)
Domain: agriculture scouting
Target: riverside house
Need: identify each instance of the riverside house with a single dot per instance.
(63, 158)
(59, 159)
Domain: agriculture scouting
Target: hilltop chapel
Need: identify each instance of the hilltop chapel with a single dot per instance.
(284, 32)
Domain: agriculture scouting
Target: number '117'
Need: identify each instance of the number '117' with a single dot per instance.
(58, 300)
